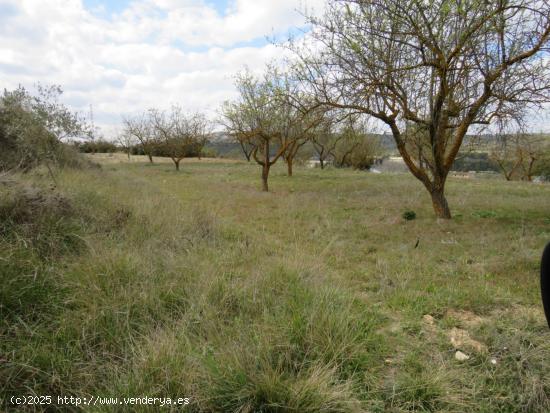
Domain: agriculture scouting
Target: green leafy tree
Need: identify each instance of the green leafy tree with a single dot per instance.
(35, 128)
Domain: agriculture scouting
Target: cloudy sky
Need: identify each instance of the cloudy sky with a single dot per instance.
(123, 56)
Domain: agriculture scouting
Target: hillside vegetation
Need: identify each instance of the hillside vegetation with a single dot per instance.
(137, 280)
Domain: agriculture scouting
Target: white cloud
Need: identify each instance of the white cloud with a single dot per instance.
(152, 54)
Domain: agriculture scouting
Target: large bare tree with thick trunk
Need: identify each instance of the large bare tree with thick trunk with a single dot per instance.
(431, 69)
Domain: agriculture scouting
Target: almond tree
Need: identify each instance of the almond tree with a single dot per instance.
(262, 118)
(179, 134)
(139, 127)
(299, 125)
(324, 141)
(517, 154)
(126, 141)
(442, 66)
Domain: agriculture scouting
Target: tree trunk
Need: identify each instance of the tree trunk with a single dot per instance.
(128, 153)
(439, 202)
(529, 173)
(289, 166)
(265, 167)
(265, 175)
(177, 163)
(150, 157)
(322, 163)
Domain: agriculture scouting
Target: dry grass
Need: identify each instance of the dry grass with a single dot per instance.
(118, 157)
(310, 298)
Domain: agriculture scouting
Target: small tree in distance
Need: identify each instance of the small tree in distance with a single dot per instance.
(264, 118)
(325, 139)
(356, 147)
(299, 126)
(517, 154)
(139, 128)
(245, 145)
(126, 142)
(179, 134)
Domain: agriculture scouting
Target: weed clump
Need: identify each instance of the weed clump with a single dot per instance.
(484, 214)
(42, 220)
(409, 215)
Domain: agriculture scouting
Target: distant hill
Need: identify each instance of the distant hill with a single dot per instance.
(223, 146)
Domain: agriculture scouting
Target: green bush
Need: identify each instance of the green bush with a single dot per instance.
(542, 167)
(484, 214)
(97, 146)
(360, 152)
(474, 162)
(409, 215)
(32, 129)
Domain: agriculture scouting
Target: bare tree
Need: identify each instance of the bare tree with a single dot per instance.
(139, 127)
(356, 147)
(179, 134)
(234, 123)
(325, 139)
(260, 118)
(126, 142)
(516, 153)
(292, 150)
(194, 131)
(298, 126)
(442, 66)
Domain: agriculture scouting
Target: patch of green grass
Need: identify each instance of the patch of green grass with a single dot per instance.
(308, 298)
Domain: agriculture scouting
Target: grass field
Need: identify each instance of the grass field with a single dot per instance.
(316, 297)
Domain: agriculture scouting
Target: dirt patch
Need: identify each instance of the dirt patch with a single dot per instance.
(466, 318)
(460, 339)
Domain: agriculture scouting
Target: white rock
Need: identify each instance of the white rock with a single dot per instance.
(494, 361)
(460, 356)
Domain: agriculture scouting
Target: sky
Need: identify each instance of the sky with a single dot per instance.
(125, 56)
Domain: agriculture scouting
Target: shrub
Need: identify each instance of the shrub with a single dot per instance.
(43, 221)
(474, 162)
(542, 168)
(32, 129)
(484, 214)
(358, 153)
(97, 146)
(409, 215)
